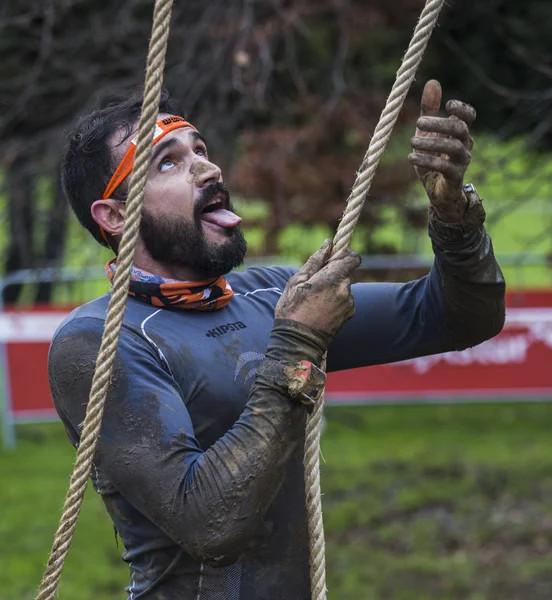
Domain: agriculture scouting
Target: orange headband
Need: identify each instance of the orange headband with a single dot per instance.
(126, 165)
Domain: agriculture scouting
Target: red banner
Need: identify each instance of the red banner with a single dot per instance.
(27, 335)
(514, 364)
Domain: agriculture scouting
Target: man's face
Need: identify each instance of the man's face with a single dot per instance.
(187, 217)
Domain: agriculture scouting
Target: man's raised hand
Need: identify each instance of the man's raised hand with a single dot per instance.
(442, 152)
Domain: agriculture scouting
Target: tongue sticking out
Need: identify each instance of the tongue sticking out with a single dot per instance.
(222, 218)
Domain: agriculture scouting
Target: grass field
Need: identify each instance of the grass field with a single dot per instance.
(421, 502)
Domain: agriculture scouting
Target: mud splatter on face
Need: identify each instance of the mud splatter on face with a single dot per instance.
(197, 171)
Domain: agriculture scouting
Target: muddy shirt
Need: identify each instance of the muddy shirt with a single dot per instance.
(199, 462)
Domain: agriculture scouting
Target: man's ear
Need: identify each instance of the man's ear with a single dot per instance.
(109, 215)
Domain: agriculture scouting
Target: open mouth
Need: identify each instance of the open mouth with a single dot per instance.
(217, 213)
(215, 204)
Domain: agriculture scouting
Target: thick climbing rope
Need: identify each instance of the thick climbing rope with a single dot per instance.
(342, 239)
(114, 319)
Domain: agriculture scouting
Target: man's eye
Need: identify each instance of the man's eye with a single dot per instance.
(201, 152)
(166, 164)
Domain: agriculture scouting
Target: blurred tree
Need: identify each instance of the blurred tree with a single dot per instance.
(300, 81)
(502, 56)
(286, 91)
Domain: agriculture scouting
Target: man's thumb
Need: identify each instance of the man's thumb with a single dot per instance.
(431, 99)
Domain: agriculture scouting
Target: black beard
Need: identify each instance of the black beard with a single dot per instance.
(179, 242)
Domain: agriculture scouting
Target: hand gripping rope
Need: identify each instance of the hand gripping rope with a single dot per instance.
(104, 363)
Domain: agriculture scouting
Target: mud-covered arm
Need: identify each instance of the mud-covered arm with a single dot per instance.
(209, 502)
(458, 305)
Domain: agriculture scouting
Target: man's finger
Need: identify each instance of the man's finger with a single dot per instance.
(446, 126)
(344, 290)
(341, 266)
(431, 99)
(461, 111)
(452, 147)
(453, 172)
(346, 253)
(314, 263)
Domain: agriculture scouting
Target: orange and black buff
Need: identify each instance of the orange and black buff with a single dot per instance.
(212, 294)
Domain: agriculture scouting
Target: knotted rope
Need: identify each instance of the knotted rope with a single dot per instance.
(116, 309)
(114, 319)
(342, 239)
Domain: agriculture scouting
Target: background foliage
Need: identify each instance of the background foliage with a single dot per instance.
(286, 91)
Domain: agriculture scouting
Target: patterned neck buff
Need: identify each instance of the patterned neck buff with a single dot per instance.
(212, 294)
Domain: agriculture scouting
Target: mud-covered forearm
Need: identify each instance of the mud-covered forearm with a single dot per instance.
(472, 283)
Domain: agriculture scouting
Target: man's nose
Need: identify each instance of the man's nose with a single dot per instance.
(205, 173)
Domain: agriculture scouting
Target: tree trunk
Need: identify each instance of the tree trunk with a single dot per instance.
(54, 242)
(19, 192)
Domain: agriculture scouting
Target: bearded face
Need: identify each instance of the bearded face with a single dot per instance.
(178, 241)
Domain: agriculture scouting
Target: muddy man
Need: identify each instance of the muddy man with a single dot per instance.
(199, 461)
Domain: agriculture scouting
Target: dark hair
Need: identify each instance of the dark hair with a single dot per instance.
(88, 164)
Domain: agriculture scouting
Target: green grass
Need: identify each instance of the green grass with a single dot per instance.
(448, 502)
(421, 502)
